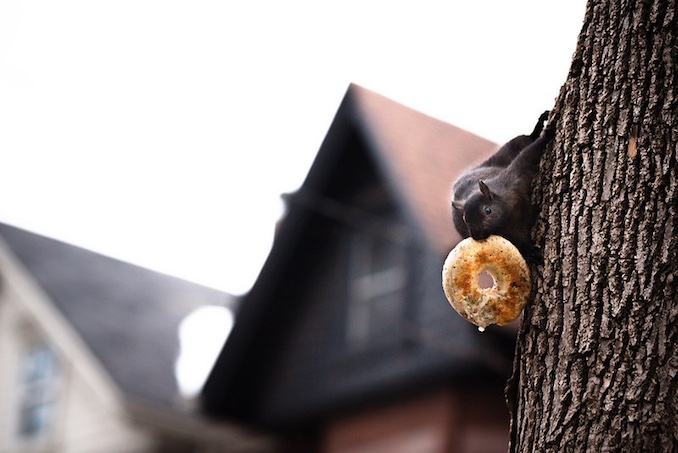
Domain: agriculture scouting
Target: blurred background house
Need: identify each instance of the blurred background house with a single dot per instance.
(88, 346)
(346, 342)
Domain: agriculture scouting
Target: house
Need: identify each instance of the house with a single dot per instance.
(346, 342)
(87, 351)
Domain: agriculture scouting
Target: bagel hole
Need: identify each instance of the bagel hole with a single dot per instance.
(485, 280)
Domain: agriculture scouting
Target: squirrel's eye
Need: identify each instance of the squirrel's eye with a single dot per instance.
(488, 210)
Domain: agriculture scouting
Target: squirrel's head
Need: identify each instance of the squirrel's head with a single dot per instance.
(482, 213)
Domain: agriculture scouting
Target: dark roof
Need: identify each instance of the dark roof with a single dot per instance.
(127, 315)
(418, 157)
(421, 156)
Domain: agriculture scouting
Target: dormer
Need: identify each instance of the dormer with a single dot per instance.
(348, 311)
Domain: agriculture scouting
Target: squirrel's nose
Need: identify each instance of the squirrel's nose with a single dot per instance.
(479, 236)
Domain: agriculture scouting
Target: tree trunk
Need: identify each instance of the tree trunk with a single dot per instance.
(596, 365)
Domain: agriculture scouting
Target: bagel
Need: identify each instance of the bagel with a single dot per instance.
(500, 304)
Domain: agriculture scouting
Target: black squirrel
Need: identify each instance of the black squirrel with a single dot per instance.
(494, 197)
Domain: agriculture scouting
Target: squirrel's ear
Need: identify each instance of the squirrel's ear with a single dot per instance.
(485, 190)
(458, 205)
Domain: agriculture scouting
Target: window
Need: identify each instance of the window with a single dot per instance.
(377, 280)
(38, 391)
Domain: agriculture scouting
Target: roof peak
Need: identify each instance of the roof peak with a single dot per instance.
(128, 316)
(421, 157)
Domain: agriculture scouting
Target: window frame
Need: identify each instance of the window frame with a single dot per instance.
(38, 382)
(371, 287)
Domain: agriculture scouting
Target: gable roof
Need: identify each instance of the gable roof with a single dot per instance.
(127, 315)
(417, 156)
(421, 157)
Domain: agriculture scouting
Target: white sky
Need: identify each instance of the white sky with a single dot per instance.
(201, 337)
(164, 132)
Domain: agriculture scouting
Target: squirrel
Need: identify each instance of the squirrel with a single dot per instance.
(494, 197)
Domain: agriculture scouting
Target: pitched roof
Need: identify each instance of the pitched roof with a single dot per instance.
(418, 157)
(422, 157)
(127, 315)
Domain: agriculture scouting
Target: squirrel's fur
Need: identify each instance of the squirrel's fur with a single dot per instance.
(494, 197)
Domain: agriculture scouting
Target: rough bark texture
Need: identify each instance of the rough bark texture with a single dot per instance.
(597, 356)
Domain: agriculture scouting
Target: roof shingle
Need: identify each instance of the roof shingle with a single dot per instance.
(127, 315)
(423, 156)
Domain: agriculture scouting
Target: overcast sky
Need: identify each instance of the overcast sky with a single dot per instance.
(164, 132)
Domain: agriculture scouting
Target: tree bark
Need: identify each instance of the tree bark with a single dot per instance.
(596, 366)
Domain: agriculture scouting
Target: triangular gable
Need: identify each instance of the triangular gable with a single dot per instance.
(417, 157)
(421, 156)
(127, 316)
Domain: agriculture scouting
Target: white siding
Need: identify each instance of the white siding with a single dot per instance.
(90, 427)
(89, 412)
